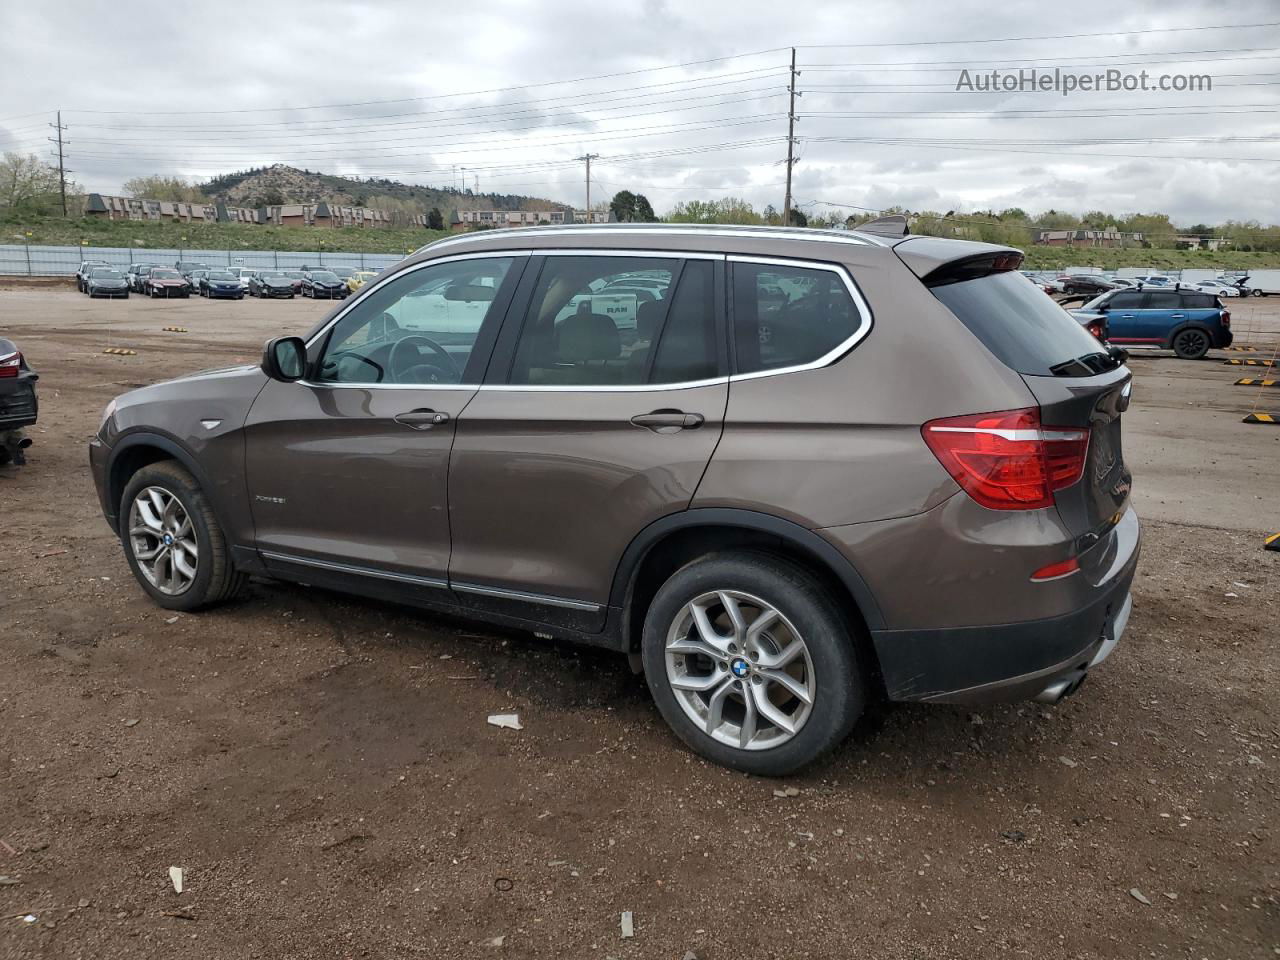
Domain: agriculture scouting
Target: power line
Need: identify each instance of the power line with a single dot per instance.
(445, 96)
(1061, 36)
(588, 101)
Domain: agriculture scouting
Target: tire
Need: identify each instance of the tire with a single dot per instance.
(828, 662)
(215, 579)
(1191, 343)
(1255, 293)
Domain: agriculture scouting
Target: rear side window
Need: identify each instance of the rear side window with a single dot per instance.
(1025, 329)
(1198, 301)
(788, 316)
(1163, 300)
(1126, 301)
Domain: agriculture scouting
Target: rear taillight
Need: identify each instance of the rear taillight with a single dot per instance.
(1096, 329)
(1226, 318)
(10, 364)
(1007, 460)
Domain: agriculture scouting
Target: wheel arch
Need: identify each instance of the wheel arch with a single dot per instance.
(1190, 325)
(668, 543)
(137, 450)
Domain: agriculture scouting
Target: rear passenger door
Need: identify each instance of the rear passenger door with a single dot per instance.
(600, 410)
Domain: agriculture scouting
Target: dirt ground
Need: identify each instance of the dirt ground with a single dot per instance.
(321, 767)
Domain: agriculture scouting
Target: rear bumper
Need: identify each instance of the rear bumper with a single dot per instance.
(18, 404)
(1013, 661)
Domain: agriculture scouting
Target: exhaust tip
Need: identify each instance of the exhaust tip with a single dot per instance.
(24, 443)
(1060, 689)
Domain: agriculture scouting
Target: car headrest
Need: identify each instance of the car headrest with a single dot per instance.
(647, 316)
(587, 336)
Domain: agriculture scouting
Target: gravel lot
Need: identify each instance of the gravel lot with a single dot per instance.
(322, 770)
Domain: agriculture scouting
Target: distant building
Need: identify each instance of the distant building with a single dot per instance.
(1201, 243)
(1087, 238)
(319, 214)
(480, 219)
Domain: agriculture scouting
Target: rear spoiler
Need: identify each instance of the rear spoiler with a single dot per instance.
(937, 260)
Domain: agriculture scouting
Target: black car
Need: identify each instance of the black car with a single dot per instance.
(1087, 283)
(107, 282)
(270, 283)
(87, 267)
(220, 283)
(187, 267)
(324, 285)
(18, 404)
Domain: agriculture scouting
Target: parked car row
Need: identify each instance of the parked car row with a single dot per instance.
(99, 278)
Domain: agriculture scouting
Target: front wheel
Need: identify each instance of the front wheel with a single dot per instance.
(751, 663)
(1191, 343)
(172, 540)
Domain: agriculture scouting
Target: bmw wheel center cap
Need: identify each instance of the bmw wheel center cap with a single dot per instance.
(740, 668)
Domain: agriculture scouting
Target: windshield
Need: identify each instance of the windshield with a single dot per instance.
(106, 274)
(293, 274)
(222, 275)
(164, 274)
(324, 275)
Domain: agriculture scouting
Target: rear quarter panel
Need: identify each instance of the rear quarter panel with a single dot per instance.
(842, 444)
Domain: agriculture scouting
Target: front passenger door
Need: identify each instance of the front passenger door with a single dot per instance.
(347, 469)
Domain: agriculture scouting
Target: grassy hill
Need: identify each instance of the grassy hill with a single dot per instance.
(280, 183)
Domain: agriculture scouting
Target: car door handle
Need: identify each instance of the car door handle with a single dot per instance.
(668, 421)
(422, 419)
(1176, 316)
(1126, 316)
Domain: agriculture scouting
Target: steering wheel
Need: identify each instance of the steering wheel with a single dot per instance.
(424, 371)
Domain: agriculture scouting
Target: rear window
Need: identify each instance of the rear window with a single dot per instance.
(1014, 319)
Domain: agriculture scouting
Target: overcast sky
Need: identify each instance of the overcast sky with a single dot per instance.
(513, 91)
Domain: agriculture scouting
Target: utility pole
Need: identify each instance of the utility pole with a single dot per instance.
(62, 171)
(791, 139)
(588, 157)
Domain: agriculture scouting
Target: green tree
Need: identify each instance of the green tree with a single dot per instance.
(725, 210)
(27, 186)
(435, 219)
(623, 206)
(160, 187)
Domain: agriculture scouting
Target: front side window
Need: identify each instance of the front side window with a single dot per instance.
(1125, 301)
(418, 329)
(786, 316)
(602, 321)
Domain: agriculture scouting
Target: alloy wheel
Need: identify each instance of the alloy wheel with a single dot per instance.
(740, 670)
(1191, 343)
(163, 540)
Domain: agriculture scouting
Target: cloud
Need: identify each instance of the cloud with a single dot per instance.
(515, 91)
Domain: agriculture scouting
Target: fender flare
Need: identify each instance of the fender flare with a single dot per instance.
(801, 537)
(144, 438)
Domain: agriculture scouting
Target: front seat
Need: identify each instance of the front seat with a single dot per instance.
(586, 338)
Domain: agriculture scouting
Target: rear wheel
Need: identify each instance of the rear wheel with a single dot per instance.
(172, 540)
(751, 663)
(1191, 343)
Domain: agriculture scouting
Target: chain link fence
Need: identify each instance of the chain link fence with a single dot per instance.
(24, 260)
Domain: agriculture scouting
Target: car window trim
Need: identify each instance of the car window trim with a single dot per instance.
(321, 336)
(838, 352)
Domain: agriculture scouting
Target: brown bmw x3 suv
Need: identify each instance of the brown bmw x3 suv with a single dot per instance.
(787, 471)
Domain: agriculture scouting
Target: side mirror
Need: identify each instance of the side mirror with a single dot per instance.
(285, 359)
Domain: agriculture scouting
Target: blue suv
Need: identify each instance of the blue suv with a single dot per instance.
(1188, 322)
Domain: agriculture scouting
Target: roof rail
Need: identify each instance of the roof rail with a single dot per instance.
(667, 229)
